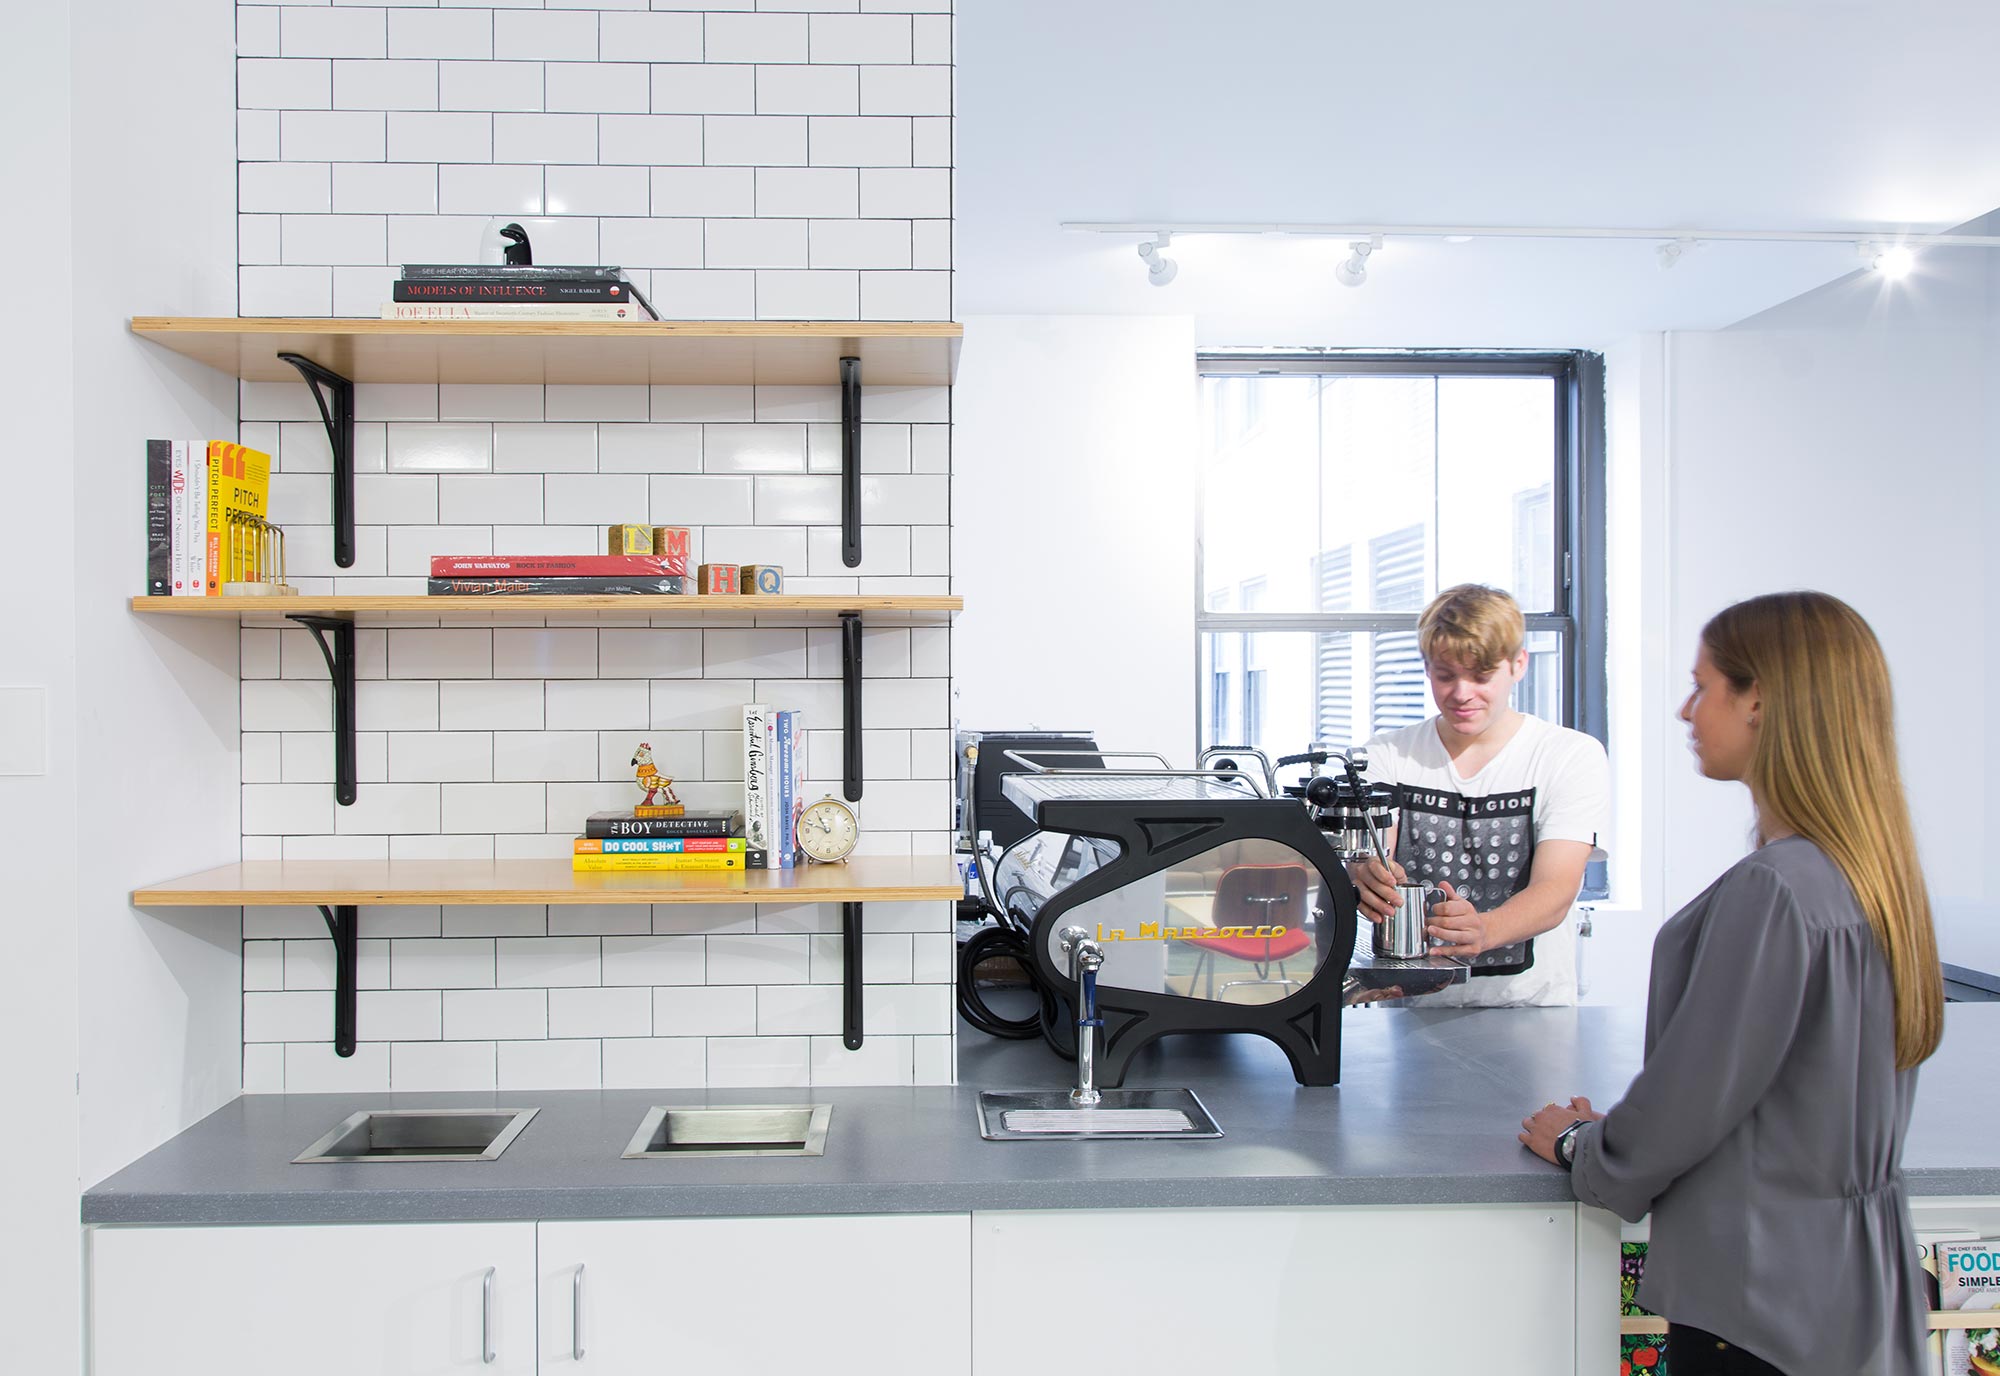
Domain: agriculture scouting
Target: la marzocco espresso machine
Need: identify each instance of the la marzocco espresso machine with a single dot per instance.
(1202, 900)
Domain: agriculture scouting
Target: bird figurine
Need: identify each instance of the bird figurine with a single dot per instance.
(651, 781)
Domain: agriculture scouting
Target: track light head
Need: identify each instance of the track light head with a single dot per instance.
(1159, 270)
(1674, 250)
(1893, 261)
(1352, 270)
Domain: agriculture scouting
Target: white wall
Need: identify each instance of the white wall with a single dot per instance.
(40, 1260)
(1844, 443)
(156, 706)
(766, 164)
(1073, 516)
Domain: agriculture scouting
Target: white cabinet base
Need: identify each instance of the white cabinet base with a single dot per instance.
(854, 1295)
(1276, 1292)
(388, 1300)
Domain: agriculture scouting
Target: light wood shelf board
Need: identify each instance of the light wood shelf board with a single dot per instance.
(283, 883)
(418, 609)
(672, 352)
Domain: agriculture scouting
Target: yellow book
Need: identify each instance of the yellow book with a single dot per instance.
(239, 484)
(709, 860)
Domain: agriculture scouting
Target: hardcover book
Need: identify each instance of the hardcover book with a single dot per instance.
(510, 310)
(490, 566)
(605, 825)
(178, 517)
(239, 484)
(785, 830)
(159, 518)
(659, 845)
(532, 587)
(707, 863)
(197, 518)
(757, 774)
(500, 289)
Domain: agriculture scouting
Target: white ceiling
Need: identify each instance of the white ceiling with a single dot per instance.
(1723, 114)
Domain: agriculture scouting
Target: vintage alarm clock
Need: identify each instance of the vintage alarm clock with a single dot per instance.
(828, 831)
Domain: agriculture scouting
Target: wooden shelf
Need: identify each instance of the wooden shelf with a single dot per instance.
(682, 352)
(276, 883)
(886, 610)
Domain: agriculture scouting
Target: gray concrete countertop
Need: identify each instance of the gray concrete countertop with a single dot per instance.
(1426, 1113)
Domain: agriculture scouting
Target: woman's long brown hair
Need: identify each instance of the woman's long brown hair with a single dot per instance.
(1825, 766)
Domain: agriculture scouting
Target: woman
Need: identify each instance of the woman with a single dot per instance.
(1790, 1006)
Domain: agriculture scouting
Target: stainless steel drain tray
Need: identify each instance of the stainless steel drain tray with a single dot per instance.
(451, 1134)
(1127, 1114)
(732, 1130)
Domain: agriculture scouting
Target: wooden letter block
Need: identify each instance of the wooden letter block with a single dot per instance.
(718, 578)
(674, 542)
(766, 579)
(628, 540)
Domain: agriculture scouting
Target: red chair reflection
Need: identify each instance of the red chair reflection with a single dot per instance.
(1253, 896)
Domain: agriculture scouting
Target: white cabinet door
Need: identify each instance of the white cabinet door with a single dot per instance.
(833, 1296)
(1276, 1292)
(390, 1300)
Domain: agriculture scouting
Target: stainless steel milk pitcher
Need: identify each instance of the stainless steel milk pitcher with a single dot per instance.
(1401, 935)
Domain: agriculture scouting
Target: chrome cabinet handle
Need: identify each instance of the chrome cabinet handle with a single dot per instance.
(486, 1353)
(576, 1315)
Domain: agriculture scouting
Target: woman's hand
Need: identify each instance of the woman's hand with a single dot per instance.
(1539, 1132)
(1375, 886)
(1459, 925)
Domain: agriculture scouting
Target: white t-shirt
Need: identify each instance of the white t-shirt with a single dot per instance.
(1548, 783)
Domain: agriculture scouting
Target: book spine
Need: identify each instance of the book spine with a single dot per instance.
(619, 864)
(159, 509)
(798, 782)
(528, 587)
(490, 289)
(756, 776)
(558, 566)
(178, 554)
(644, 828)
(572, 272)
(660, 845)
(785, 834)
(197, 524)
(510, 310)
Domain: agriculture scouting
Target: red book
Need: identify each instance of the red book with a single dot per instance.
(558, 565)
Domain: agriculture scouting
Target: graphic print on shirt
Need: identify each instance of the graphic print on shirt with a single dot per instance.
(1482, 846)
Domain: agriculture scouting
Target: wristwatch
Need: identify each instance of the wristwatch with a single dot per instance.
(1566, 1145)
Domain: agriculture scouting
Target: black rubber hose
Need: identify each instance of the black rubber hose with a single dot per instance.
(1006, 941)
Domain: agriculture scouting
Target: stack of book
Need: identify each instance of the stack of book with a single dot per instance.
(205, 501)
(516, 575)
(774, 758)
(623, 841)
(488, 291)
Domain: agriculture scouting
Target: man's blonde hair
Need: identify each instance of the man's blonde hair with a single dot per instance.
(1472, 626)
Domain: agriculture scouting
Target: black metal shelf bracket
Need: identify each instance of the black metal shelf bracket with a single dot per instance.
(850, 705)
(339, 420)
(340, 669)
(341, 924)
(850, 462)
(850, 975)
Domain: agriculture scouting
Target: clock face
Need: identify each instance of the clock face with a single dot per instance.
(828, 831)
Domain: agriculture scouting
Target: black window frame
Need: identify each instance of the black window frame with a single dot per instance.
(1580, 565)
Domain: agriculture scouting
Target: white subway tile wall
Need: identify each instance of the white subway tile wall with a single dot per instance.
(775, 161)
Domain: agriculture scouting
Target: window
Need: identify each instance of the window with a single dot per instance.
(1340, 492)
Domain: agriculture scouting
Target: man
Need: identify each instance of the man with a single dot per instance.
(1501, 810)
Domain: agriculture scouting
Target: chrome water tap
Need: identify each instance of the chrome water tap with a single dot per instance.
(1086, 958)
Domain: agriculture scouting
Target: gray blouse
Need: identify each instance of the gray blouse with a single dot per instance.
(1765, 1131)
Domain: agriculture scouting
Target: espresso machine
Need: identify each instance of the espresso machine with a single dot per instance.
(1202, 900)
